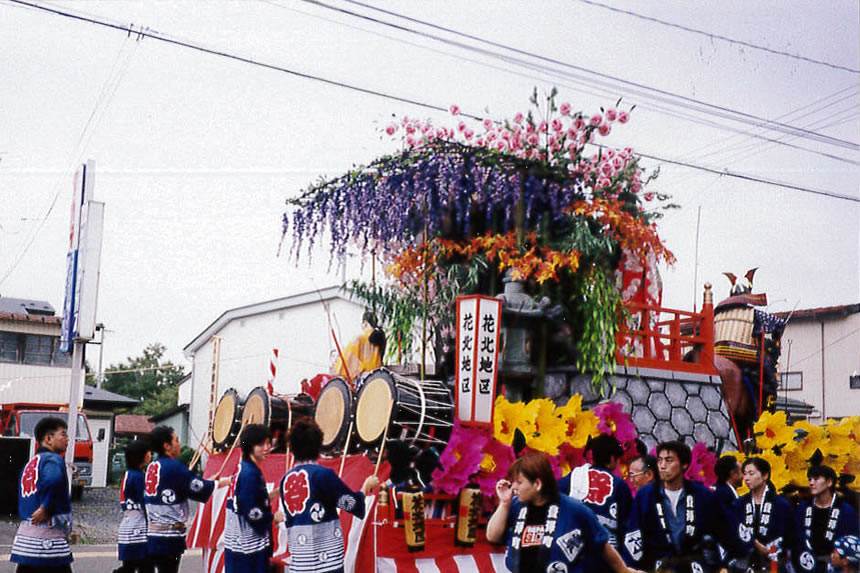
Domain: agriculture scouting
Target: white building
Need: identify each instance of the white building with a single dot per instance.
(820, 361)
(32, 368)
(299, 327)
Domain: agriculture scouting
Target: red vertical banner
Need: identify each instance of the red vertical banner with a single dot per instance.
(478, 329)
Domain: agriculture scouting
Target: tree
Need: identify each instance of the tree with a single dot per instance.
(147, 379)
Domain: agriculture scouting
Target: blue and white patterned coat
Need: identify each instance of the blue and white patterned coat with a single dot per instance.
(168, 485)
(311, 495)
(249, 516)
(131, 541)
(43, 483)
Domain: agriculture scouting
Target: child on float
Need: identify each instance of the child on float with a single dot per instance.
(131, 539)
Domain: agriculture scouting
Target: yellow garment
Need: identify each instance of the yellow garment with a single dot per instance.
(360, 356)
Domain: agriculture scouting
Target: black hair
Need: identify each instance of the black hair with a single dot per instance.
(603, 448)
(135, 454)
(305, 439)
(680, 449)
(253, 435)
(823, 471)
(47, 426)
(159, 436)
(724, 467)
(761, 464)
(649, 463)
(370, 318)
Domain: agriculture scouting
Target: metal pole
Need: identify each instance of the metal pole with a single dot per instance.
(101, 328)
(75, 390)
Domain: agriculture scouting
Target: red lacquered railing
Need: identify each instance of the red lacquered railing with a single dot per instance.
(664, 336)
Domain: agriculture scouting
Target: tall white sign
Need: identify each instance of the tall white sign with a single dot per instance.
(478, 329)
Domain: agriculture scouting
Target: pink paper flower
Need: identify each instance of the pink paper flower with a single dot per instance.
(578, 123)
(391, 129)
(614, 421)
(564, 109)
(702, 465)
(648, 196)
(604, 129)
(410, 141)
(623, 116)
(461, 126)
(488, 124)
(455, 110)
(610, 114)
(596, 119)
(543, 127)
(532, 139)
(410, 128)
(461, 458)
(497, 460)
(468, 133)
(557, 125)
(518, 118)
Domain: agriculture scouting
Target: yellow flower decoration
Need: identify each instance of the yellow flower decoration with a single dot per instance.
(813, 440)
(546, 429)
(772, 430)
(779, 474)
(579, 424)
(507, 417)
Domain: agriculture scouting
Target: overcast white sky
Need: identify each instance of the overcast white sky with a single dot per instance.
(196, 153)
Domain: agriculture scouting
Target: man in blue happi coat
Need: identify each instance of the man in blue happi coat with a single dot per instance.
(41, 543)
(823, 519)
(766, 519)
(729, 479)
(167, 488)
(674, 521)
(311, 496)
(606, 494)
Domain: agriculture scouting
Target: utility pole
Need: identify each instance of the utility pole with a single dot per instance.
(101, 329)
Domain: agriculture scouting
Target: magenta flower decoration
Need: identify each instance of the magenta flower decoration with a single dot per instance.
(615, 421)
(702, 465)
(461, 459)
(497, 460)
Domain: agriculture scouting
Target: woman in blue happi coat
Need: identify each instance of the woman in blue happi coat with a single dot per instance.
(766, 519)
(546, 531)
(131, 540)
(249, 517)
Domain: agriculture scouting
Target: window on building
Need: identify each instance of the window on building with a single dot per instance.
(791, 381)
(854, 381)
(9, 346)
(38, 349)
(60, 358)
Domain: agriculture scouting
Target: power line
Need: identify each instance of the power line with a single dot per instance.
(719, 37)
(147, 33)
(733, 114)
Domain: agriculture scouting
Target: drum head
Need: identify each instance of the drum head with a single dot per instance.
(227, 414)
(372, 406)
(257, 408)
(333, 411)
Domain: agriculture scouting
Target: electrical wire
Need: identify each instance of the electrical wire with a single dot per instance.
(735, 115)
(719, 37)
(106, 94)
(147, 33)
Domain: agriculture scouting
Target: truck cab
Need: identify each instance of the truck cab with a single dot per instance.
(20, 421)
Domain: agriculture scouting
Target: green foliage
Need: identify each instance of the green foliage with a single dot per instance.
(147, 378)
(185, 457)
(599, 312)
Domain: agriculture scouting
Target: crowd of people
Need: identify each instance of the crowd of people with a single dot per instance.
(154, 499)
(590, 520)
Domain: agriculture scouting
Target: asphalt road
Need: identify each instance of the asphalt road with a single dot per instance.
(102, 559)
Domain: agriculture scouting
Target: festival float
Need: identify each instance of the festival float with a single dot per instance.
(521, 306)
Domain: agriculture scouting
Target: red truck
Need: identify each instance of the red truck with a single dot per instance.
(19, 420)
